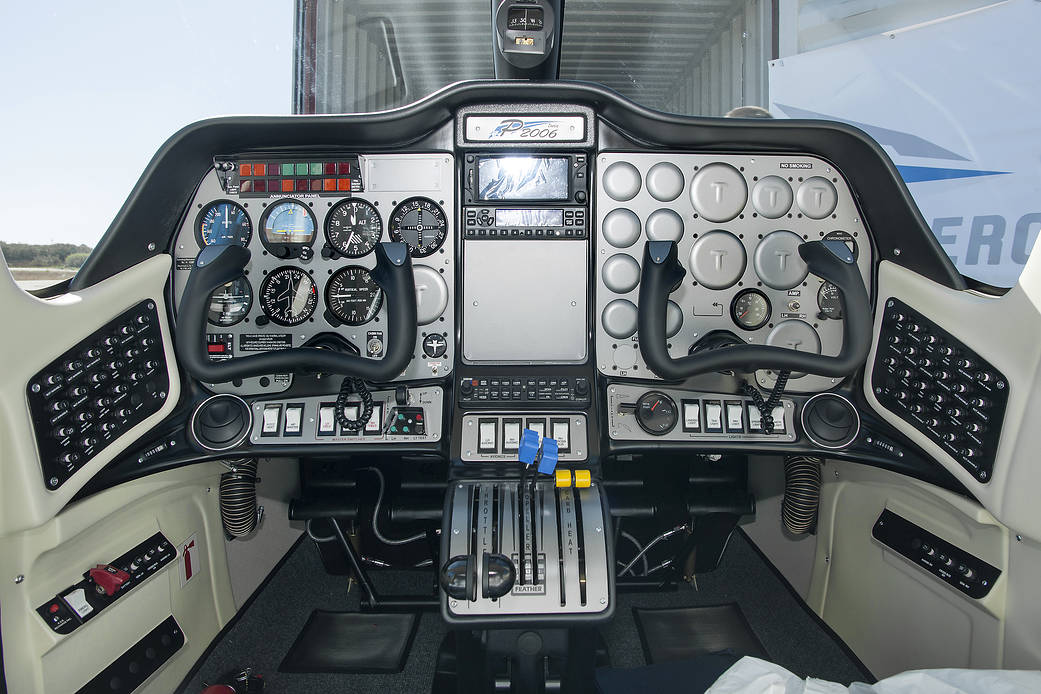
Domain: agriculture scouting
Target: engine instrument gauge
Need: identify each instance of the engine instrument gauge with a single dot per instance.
(288, 296)
(287, 224)
(222, 223)
(230, 303)
(750, 309)
(656, 413)
(353, 228)
(353, 296)
(830, 301)
(420, 223)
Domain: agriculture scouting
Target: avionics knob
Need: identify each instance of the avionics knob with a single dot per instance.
(466, 388)
(581, 387)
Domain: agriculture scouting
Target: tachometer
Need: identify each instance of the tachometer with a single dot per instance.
(353, 296)
(420, 223)
(286, 228)
(222, 223)
(230, 303)
(353, 228)
(750, 309)
(830, 301)
(288, 296)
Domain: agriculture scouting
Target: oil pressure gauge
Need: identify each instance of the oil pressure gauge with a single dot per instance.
(656, 413)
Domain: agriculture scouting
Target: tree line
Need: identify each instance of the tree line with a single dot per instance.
(62, 255)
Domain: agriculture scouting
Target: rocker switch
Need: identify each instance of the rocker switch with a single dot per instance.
(108, 579)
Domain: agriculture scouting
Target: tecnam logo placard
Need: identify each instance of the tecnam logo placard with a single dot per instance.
(538, 129)
(526, 128)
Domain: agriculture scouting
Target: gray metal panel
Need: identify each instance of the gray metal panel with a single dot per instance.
(525, 301)
(622, 426)
(430, 398)
(545, 597)
(469, 451)
(704, 309)
(438, 173)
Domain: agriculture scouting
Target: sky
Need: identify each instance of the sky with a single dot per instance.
(91, 90)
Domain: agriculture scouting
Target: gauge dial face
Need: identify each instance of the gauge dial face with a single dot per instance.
(353, 296)
(353, 228)
(656, 413)
(230, 303)
(288, 296)
(287, 223)
(829, 299)
(421, 224)
(222, 223)
(750, 309)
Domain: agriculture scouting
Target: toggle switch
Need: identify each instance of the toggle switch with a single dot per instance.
(108, 579)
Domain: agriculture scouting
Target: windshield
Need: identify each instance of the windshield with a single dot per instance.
(949, 88)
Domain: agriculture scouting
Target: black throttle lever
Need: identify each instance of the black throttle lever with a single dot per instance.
(831, 260)
(218, 265)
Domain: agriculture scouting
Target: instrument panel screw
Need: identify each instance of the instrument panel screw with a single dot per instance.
(18, 579)
(603, 601)
(1019, 538)
(53, 481)
(151, 246)
(896, 251)
(36, 387)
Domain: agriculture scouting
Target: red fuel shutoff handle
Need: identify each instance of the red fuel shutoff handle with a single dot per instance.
(108, 578)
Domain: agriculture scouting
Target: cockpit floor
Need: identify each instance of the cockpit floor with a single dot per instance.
(264, 632)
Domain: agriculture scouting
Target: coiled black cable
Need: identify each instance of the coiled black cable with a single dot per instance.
(766, 407)
(238, 497)
(802, 493)
(348, 386)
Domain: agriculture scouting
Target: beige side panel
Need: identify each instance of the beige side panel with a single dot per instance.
(1005, 331)
(892, 613)
(36, 332)
(51, 557)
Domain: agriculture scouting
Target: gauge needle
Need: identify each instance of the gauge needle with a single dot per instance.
(656, 403)
(299, 298)
(744, 314)
(350, 239)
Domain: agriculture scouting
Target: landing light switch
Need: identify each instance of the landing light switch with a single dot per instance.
(691, 415)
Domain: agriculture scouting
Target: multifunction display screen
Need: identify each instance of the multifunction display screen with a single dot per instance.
(529, 218)
(523, 178)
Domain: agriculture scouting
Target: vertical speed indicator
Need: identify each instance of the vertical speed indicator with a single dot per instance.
(421, 223)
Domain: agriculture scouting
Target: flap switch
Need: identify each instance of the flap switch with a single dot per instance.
(108, 579)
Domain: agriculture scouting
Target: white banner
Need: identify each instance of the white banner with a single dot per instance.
(956, 104)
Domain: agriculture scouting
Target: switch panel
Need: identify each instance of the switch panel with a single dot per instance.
(502, 390)
(698, 417)
(496, 436)
(967, 573)
(104, 584)
(95, 392)
(932, 381)
(312, 420)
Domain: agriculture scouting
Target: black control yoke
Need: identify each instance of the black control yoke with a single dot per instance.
(217, 265)
(831, 260)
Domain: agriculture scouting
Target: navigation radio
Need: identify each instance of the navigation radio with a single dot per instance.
(525, 196)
